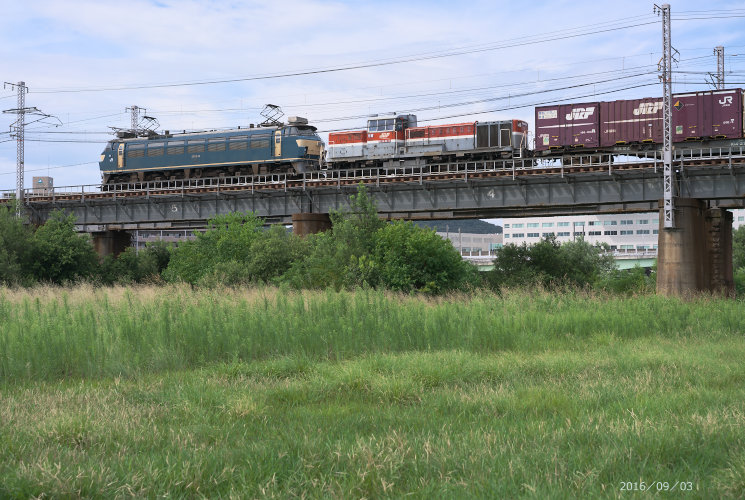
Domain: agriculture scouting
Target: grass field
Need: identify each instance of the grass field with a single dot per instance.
(266, 393)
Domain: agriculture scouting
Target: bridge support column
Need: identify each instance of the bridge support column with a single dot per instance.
(111, 242)
(307, 223)
(697, 255)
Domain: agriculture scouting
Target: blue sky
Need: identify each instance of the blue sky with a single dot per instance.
(86, 61)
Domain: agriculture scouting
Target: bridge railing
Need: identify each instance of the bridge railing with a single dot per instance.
(367, 174)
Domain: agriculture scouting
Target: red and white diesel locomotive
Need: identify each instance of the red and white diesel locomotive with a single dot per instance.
(396, 140)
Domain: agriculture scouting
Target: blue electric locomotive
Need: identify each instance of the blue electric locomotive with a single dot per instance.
(294, 147)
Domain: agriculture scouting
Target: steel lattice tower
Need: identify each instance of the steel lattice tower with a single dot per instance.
(719, 51)
(135, 110)
(18, 129)
(667, 120)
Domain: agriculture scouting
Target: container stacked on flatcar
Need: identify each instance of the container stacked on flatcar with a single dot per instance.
(636, 124)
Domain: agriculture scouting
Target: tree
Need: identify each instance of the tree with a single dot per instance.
(512, 267)
(583, 263)
(548, 263)
(228, 238)
(738, 248)
(14, 247)
(273, 252)
(340, 258)
(132, 266)
(58, 254)
(411, 258)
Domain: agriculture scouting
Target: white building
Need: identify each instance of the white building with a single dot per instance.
(473, 244)
(624, 233)
(738, 218)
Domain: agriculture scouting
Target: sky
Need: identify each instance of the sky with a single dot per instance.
(200, 65)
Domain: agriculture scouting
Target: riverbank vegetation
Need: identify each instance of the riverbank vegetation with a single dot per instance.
(270, 392)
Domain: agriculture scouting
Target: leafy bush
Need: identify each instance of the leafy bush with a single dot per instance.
(235, 250)
(629, 281)
(410, 258)
(739, 276)
(228, 238)
(132, 266)
(548, 263)
(58, 254)
(362, 250)
(15, 243)
(341, 258)
(738, 247)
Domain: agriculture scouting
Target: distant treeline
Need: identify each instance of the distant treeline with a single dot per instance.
(472, 226)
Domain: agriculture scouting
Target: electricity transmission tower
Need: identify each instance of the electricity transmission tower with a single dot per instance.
(665, 67)
(139, 126)
(719, 51)
(135, 111)
(17, 130)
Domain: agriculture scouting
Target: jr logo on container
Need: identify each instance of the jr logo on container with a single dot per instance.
(580, 113)
(648, 108)
(726, 101)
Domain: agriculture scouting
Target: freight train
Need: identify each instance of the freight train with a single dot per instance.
(700, 120)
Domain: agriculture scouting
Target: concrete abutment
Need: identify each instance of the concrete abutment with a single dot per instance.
(696, 256)
(111, 242)
(309, 223)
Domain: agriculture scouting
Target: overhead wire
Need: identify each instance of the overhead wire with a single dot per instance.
(510, 43)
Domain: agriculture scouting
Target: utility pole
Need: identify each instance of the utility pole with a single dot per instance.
(18, 131)
(719, 51)
(666, 65)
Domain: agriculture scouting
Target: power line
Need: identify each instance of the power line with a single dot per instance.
(406, 59)
(53, 168)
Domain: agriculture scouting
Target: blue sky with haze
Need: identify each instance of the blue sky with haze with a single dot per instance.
(86, 61)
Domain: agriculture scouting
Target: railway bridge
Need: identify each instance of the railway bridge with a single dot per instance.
(693, 256)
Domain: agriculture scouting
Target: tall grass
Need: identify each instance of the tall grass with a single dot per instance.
(52, 333)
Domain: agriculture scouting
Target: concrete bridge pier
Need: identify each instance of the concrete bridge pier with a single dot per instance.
(309, 223)
(696, 256)
(111, 242)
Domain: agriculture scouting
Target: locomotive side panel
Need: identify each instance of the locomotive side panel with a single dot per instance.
(346, 145)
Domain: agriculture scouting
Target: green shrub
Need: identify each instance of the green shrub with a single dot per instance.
(548, 263)
(58, 254)
(228, 238)
(409, 258)
(132, 266)
(15, 243)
